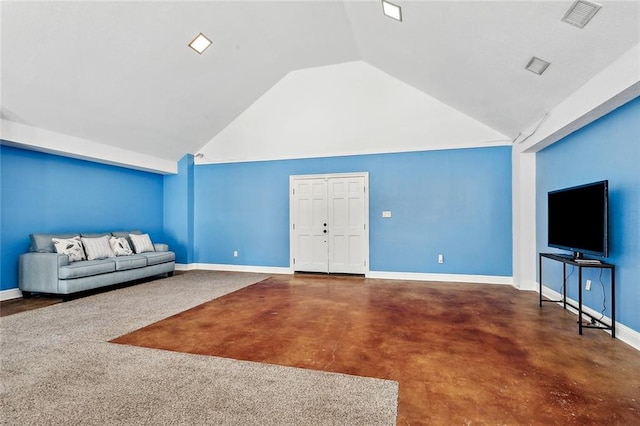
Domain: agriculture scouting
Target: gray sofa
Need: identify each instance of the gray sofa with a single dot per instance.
(43, 270)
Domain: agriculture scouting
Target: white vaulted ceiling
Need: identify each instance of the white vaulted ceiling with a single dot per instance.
(120, 74)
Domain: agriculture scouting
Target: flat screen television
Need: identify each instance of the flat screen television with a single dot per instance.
(578, 219)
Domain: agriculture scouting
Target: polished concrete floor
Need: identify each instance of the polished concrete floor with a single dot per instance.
(461, 353)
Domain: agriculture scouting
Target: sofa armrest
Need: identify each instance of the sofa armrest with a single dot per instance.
(160, 247)
(39, 271)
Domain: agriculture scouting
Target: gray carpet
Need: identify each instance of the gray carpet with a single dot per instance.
(58, 368)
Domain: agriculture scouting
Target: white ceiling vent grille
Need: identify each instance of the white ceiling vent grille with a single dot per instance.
(537, 65)
(581, 13)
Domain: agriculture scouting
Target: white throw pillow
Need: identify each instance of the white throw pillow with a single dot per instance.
(141, 243)
(120, 246)
(97, 248)
(72, 247)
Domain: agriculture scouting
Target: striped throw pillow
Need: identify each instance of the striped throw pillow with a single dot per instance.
(141, 243)
(97, 248)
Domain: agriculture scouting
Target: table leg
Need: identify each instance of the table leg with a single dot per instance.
(579, 300)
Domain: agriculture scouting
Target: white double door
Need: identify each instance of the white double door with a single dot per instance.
(329, 223)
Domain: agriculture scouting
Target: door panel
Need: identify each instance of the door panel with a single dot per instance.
(346, 225)
(310, 215)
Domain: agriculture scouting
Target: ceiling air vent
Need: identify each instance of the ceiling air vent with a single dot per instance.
(537, 65)
(581, 13)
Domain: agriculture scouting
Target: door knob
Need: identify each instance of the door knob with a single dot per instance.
(325, 224)
(325, 231)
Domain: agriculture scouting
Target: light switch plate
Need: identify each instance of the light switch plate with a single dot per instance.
(386, 213)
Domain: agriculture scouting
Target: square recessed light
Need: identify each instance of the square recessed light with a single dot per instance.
(581, 13)
(391, 10)
(537, 65)
(200, 43)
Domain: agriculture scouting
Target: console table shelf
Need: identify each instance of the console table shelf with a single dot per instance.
(569, 260)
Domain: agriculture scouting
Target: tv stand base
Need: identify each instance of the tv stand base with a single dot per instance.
(580, 264)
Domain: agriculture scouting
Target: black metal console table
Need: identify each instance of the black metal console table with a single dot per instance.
(569, 260)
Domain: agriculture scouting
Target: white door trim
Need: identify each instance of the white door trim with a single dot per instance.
(292, 178)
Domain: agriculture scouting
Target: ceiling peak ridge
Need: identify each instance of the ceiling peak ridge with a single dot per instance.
(348, 109)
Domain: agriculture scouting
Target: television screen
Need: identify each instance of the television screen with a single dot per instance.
(578, 219)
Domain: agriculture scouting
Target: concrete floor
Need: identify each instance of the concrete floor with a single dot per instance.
(462, 353)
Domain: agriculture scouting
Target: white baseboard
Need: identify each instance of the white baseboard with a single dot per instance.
(233, 268)
(452, 278)
(526, 286)
(412, 276)
(624, 333)
(12, 293)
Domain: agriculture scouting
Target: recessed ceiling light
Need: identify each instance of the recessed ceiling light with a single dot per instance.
(200, 43)
(581, 13)
(537, 65)
(391, 10)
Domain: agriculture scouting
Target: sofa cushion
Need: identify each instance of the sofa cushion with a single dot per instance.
(161, 247)
(120, 246)
(95, 234)
(130, 262)
(86, 268)
(72, 247)
(156, 257)
(141, 243)
(125, 234)
(41, 243)
(97, 248)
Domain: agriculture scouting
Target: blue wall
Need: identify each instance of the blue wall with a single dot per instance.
(178, 210)
(608, 148)
(455, 202)
(48, 193)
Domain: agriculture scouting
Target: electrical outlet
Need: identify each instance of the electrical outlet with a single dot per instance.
(440, 258)
(235, 253)
(588, 286)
